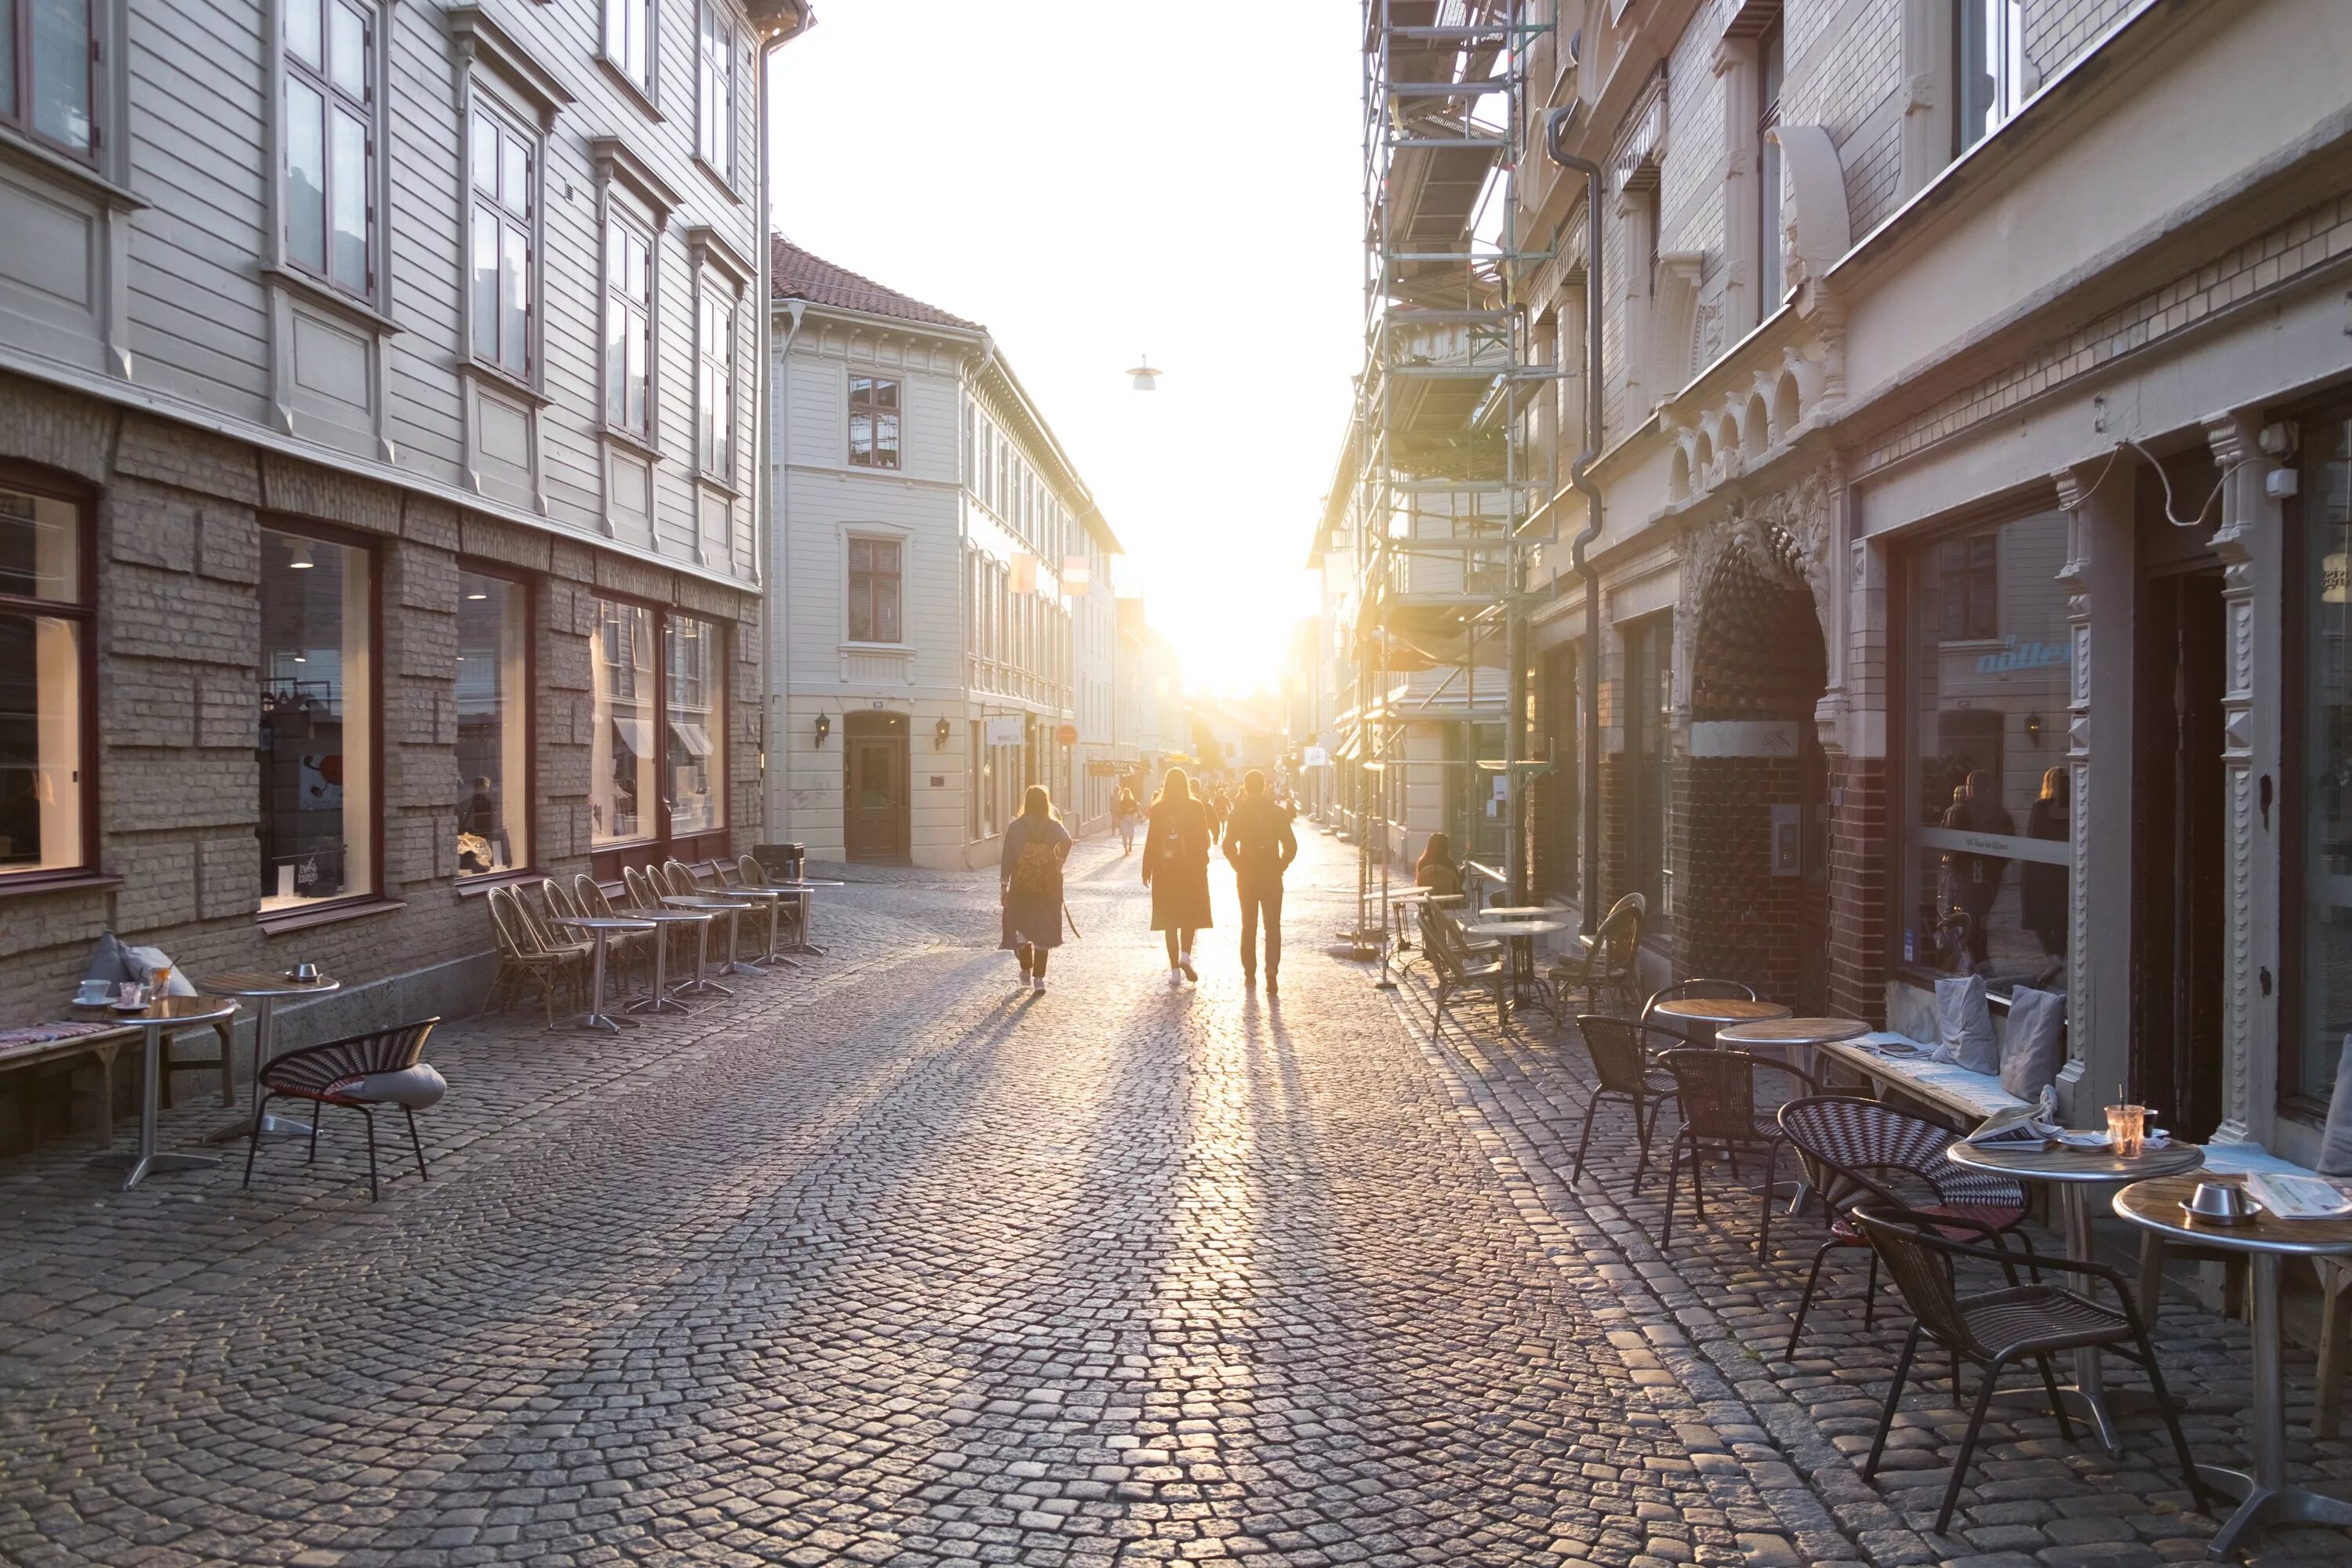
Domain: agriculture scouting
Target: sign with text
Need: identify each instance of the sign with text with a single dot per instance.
(1004, 732)
(1743, 738)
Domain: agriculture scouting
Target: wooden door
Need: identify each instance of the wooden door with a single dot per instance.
(874, 808)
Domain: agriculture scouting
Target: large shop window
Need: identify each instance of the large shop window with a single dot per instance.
(1650, 763)
(46, 798)
(318, 721)
(1987, 864)
(658, 760)
(2319, 993)
(493, 724)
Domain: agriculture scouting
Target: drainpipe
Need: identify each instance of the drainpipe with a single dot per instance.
(1556, 129)
(772, 738)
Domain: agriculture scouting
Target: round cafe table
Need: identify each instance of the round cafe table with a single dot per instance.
(2074, 1172)
(1697, 1018)
(1788, 1034)
(265, 991)
(158, 1019)
(2263, 1495)
(600, 930)
(1516, 912)
(1521, 935)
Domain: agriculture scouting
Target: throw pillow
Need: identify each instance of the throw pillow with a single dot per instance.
(1964, 1025)
(419, 1087)
(2335, 1137)
(2031, 1056)
(108, 961)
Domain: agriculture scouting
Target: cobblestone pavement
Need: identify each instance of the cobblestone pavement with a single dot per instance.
(1720, 1322)
(878, 1262)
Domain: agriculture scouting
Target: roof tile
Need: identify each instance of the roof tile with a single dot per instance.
(797, 274)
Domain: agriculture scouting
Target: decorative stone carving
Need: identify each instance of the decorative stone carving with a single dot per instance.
(2074, 577)
(2232, 440)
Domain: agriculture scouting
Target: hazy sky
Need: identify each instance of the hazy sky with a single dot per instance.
(1100, 179)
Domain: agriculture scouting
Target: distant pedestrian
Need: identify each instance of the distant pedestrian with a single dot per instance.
(1261, 845)
(1176, 869)
(1124, 814)
(1220, 807)
(1437, 870)
(1030, 883)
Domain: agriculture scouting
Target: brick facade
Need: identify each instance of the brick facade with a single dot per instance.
(178, 516)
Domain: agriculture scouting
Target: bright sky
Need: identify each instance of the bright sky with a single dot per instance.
(1097, 180)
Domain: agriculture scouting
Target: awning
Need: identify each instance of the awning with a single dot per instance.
(636, 734)
(692, 737)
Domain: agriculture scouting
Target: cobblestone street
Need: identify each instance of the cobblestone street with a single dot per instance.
(881, 1261)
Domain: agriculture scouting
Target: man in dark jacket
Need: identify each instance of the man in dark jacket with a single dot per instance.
(1260, 844)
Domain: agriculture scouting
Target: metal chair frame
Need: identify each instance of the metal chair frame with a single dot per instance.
(1697, 988)
(1453, 967)
(1717, 1090)
(320, 1074)
(1993, 1328)
(1622, 1065)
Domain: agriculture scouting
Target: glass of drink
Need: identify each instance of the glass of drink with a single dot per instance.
(2127, 1129)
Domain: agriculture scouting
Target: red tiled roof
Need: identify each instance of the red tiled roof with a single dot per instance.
(796, 274)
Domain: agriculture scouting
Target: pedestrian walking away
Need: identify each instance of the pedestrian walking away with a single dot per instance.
(1176, 869)
(1125, 811)
(1261, 845)
(1029, 882)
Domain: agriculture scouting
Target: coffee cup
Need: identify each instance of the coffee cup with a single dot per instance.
(94, 994)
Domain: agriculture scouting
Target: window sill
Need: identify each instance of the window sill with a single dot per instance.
(85, 179)
(631, 89)
(27, 884)
(505, 381)
(719, 482)
(877, 648)
(327, 298)
(726, 186)
(474, 886)
(630, 441)
(278, 923)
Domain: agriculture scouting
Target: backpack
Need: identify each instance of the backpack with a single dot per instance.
(1037, 874)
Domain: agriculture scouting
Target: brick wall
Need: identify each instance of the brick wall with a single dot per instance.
(1734, 919)
(1858, 890)
(178, 519)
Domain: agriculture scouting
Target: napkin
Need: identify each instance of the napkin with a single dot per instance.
(2035, 1123)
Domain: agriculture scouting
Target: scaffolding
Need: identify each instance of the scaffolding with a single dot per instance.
(1431, 510)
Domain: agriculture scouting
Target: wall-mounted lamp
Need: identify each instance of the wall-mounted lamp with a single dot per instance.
(939, 734)
(2034, 728)
(823, 728)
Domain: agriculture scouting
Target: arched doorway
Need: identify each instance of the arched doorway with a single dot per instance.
(873, 787)
(1753, 901)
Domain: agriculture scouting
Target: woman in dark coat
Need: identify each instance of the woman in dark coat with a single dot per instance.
(1176, 869)
(1030, 882)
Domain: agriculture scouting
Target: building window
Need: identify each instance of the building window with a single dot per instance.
(329, 142)
(2319, 865)
(692, 656)
(318, 721)
(493, 724)
(874, 590)
(1769, 66)
(46, 802)
(716, 109)
(715, 389)
(1650, 763)
(630, 26)
(505, 218)
(623, 791)
(873, 423)
(48, 74)
(1987, 666)
(1989, 59)
(628, 327)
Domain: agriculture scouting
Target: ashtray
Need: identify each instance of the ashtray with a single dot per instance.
(2218, 1205)
(303, 974)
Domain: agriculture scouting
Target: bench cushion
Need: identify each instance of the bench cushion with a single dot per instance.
(1944, 1084)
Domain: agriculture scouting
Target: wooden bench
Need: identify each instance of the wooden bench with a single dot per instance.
(101, 1045)
(1963, 1098)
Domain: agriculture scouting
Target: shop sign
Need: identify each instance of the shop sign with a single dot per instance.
(1005, 732)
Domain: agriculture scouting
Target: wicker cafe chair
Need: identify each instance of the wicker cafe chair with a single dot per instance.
(1858, 1151)
(1693, 991)
(524, 954)
(1625, 1071)
(588, 898)
(1611, 963)
(786, 911)
(1718, 1091)
(1993, 1328)
(331, 1074)
(1455, 967)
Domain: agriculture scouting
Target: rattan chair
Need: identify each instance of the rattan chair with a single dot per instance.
(1858, 1151)
(624, 946)
(1993, 1328)
(331, 1074)
(788, 910)
(1610, 964)
(1622, 1064)
(1693, 990)
(524, 954)
(1716, 1090)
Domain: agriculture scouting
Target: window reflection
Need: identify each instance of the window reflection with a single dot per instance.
(622, 786)
(318, 683)
(493, 806)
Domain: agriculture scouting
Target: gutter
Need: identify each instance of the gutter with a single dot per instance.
(1580, 478)
(764, 532)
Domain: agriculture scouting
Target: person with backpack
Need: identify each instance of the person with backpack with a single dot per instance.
(1261, 845)
(1176, 869)
(1030, 884)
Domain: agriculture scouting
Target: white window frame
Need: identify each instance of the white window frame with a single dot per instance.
(645, 79)
(717, 452)
(717, 129)
(621, 224)
(488, 106)
(286, 70)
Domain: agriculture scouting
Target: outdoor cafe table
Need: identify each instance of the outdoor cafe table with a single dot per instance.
(1712, 1013)
(1516, 912)
(159, 1020)
(2074, 1172)
(600, 928)
(715, 904)
(1789, 1035)
(1521, 935)
(265, 991)
(808, 908)
(2264, 1496)
(664, 998)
